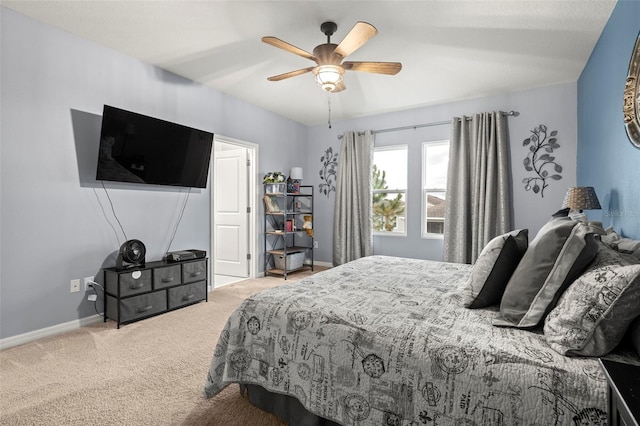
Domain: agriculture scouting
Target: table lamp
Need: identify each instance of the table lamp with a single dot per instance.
(295, 174)
(580, 198)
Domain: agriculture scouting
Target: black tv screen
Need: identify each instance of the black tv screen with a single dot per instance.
(141, 149)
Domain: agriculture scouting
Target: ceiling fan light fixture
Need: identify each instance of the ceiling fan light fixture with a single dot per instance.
(329, 56)
(328, 76)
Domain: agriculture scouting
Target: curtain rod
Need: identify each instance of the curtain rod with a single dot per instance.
(434, 123)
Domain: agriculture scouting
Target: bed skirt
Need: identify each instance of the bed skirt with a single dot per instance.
(285, 407)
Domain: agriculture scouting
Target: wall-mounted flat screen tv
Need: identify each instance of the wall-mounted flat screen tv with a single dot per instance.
(141, 149)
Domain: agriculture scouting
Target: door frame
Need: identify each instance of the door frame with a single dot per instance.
(253, 153)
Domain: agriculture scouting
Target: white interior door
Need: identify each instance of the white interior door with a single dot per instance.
(231, 221)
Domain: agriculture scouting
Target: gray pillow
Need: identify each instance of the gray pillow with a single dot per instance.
(594, 313)
(621, 244)
(558, 254)
(609, 256)
(493, 268)
(627, 245)
(610, 236)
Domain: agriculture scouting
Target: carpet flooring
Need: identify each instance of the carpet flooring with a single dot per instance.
(150, 372)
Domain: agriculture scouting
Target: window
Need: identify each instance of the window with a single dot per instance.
(390, 190)
(435, 162)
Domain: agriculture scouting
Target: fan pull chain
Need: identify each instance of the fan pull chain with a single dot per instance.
(329, 102)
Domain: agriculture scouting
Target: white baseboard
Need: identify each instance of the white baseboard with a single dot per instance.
(21, 339)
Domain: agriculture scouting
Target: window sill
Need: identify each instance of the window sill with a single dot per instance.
(389, 234)
(433, 237)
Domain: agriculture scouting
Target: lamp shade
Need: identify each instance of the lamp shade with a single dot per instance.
(296, 173)
(328, 76)
(581, 198)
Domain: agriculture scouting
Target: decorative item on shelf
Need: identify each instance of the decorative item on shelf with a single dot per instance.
(290, 187)
(328, 171)
(289, 227)
(581, 198)
(308, 225)
(295, 177)
(271, 204)
(274, 182)
(544, 165)
(274, 177)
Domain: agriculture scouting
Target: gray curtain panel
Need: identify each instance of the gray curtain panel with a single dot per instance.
(353, 234)
(478, 185)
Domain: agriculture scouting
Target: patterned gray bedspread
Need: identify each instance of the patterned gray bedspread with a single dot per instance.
(385, 341)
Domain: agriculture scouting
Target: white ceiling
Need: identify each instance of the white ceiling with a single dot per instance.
(450, 50)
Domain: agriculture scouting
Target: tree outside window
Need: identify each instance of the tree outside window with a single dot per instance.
(389, 176)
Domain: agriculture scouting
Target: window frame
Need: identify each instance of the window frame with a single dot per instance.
(424, 190)
(404, 191)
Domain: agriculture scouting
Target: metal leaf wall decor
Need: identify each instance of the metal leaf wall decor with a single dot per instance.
(328, 172)
(540, 160)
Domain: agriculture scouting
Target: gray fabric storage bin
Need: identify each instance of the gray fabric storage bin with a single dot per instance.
(293, 261)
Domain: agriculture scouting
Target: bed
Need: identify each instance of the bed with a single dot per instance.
(387, 341)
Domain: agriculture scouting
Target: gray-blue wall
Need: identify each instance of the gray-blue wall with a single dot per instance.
(606, 158)
(56, 221)
(554, 106)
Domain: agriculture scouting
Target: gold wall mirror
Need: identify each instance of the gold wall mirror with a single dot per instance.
(631, 104)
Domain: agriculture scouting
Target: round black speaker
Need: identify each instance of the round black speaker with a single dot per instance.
(131, 255)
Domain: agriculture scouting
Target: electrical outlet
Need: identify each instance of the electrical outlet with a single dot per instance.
(315, 244)
(75, 286)
(87, 283)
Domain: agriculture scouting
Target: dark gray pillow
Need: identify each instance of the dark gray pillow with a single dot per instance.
(558, 254)
(562, 212)
(493, 268)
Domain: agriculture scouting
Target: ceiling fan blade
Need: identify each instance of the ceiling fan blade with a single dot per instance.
(290, 74)
(359, 34)
(389, 68)
(276, 42)
(340, 87)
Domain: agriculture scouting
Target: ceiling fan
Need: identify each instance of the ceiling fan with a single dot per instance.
(330, 69)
